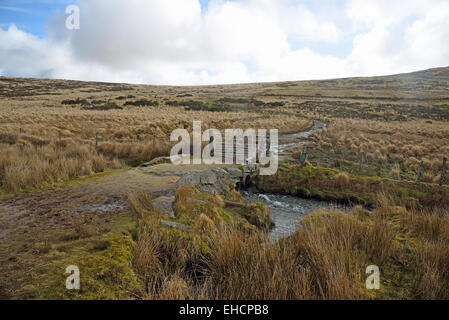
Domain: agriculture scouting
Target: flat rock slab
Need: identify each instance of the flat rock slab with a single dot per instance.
(175, 225)
(165, 206)
(220, 180)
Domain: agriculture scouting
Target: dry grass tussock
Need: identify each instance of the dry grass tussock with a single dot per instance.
(27, 167)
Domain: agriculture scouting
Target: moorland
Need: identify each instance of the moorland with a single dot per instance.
(73, 191)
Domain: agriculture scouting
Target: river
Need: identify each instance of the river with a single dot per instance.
(287, 211)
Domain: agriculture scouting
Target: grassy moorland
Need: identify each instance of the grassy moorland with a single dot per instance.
(60, 141)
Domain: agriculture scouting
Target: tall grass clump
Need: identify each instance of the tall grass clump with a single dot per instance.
(135, 152)
(25, 167)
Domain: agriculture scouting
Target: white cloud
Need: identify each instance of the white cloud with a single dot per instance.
(22, 53)
(176, 42)
(126, 35)
(299, 22)
(402, 36)
(427, 39)
(386, 12)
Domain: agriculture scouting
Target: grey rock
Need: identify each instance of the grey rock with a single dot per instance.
(209, 189)
(234, 173)
(208, 177)
(192, 179)
(220, 171)
(165, 206)
(175, 225)
(201, 202)
(159, 193)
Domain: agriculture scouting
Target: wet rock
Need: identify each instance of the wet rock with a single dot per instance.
(165, 206)
(175, 225)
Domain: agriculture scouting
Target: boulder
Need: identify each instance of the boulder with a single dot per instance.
(208, 177)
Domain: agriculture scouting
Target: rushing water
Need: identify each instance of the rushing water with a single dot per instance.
(287, 211)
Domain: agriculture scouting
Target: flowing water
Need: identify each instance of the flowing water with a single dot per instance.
(287, 211)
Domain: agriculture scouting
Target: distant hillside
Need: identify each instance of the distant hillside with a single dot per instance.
(427, 84)
(417, 95)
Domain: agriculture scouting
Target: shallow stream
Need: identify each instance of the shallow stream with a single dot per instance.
(287, 211)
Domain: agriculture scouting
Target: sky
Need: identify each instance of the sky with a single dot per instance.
(199, 42)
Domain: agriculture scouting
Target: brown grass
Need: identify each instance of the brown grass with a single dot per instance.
(23, 167)
(395, 172)
(342, 179)
(393, 146)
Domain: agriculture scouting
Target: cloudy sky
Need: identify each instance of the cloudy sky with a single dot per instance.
(217, 41)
